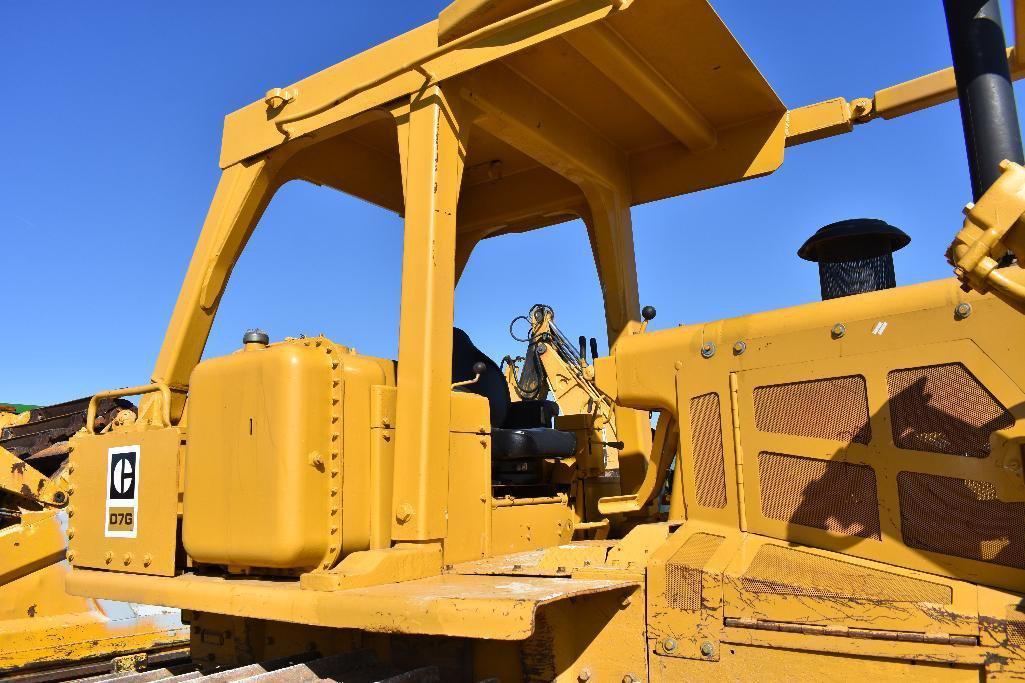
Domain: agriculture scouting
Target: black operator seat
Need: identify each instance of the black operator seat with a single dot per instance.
(520, 429)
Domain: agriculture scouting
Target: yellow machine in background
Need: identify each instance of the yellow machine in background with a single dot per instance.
(845, 477)
(552, 365)
(42, 629)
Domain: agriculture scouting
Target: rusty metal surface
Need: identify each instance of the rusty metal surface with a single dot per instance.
(357, 666)
(162, 665)
(845, 632)
(42, 436)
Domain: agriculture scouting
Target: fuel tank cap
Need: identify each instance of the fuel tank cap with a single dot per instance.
(256, 336)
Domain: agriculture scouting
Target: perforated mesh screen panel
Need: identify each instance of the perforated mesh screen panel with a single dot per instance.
(706, 443)
(844, 278)
(960, 517)
(835, 408)
(784, 571)
(1015, 631)
(944, 409)
(823, 494)
(683, 571)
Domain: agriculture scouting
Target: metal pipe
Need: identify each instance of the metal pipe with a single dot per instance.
(988, 111)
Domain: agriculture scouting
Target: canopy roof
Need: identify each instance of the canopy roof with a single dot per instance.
(657, 93)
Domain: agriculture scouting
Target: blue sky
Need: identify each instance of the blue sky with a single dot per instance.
(113, 115)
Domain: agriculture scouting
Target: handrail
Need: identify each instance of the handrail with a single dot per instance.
(90, 416)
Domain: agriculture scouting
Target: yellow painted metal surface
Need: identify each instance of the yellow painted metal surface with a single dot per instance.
(991, 229)
(137, 535)
(838, 116)
(283, 443)
(43, 627)
(490, 607)
(745, 662)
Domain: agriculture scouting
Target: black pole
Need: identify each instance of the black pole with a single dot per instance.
(983, 77)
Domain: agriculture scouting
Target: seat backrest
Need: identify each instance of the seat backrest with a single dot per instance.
(491, 385)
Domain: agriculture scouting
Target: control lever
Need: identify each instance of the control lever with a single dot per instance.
(648, 313)
(479, 368)
(583, 348)
(594, 349)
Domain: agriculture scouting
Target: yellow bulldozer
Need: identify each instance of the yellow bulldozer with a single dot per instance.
(830, 490)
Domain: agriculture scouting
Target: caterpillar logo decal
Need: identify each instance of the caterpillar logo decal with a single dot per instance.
(122, 492)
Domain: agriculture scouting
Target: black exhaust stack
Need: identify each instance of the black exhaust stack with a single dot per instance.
(854, 256)
(983, 77)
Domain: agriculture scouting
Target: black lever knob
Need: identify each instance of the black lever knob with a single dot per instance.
(648, 313)
(479, 368)
(594, 349)
(583, 347)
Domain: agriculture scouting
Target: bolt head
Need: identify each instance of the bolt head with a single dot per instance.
(669, 644)
(584, 675)
(838, 330)
(278, 97)
(707, 349)
(404, 513)
(707, 649)
(962, 310)
(739, 347)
